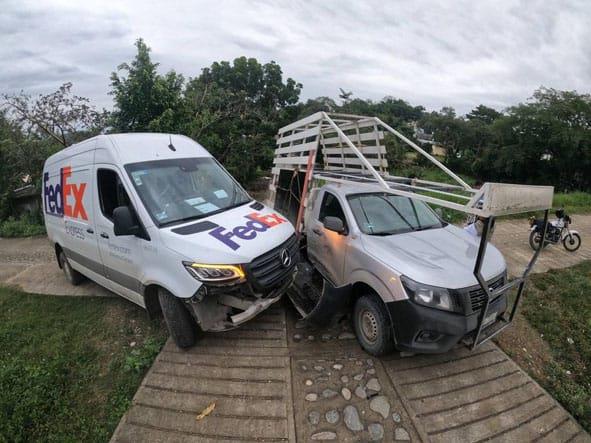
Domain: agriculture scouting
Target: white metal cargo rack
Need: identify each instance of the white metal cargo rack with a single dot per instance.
(351, 149)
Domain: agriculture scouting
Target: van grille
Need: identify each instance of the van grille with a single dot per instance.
(267, 271)
(477, 295)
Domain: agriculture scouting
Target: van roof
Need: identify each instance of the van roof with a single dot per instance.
(136, 147)
(142, 146)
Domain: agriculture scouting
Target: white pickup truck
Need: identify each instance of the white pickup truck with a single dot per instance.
(404, 274)
(372, 246)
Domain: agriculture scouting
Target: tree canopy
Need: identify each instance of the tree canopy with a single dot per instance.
(234, 108)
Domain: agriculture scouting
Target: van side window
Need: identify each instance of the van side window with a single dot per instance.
(331, 208)
(111, 192)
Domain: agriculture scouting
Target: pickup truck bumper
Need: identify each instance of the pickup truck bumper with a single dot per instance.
(420, 329)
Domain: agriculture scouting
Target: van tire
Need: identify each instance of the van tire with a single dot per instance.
(178, 319)
(73, 276)
(372, 325)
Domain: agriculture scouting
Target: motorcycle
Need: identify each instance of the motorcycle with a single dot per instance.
(558, 231)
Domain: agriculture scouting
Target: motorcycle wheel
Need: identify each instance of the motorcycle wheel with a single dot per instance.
(572, 242)
(535, 238)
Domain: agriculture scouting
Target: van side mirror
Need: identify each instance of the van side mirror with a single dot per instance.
(334, 224)
(125, 222)
(439, 212)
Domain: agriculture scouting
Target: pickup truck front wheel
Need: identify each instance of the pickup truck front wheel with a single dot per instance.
(178, 319)
(372, 325)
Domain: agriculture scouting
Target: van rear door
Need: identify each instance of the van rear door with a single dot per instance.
(121, 255)
(79, 241)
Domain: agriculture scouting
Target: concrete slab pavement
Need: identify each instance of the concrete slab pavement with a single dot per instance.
(274, 382)
(30, 264)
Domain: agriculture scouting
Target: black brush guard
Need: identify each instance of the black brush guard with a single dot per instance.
(482, 334)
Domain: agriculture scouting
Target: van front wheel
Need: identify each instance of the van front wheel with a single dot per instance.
(372, 325)
(178, 319)
(73, 276)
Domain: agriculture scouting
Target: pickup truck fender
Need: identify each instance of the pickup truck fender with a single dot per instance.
(332, 301)
(388, 292)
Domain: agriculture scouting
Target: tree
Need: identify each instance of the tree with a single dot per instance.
(143, 95)
(314, 105)
(59, 115)
(483, 114)
(544, 141)
(22, 156)
(235, 111)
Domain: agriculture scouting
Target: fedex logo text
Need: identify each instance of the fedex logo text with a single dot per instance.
(256, 223)
(64, 198)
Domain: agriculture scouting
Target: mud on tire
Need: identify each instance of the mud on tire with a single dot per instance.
(372, 325)
(180, 324)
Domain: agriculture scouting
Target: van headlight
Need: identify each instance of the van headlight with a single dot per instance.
(215, 273)
(430, 296)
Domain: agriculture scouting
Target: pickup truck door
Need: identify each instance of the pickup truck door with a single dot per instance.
(121, 255)
(326, 248)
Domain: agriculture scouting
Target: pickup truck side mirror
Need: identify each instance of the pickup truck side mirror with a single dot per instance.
(334, 224)
(125, 222)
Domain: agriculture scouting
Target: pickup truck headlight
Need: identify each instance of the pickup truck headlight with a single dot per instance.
(430, 296)
(215, 273)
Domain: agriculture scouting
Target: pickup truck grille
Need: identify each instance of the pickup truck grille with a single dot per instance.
(267, 271)
(477, 295)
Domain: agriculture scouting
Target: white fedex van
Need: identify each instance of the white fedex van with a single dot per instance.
(156, 219)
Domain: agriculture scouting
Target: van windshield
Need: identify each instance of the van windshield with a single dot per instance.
(177, 190)
(387, 214)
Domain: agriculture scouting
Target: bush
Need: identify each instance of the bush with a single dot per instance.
(23, 227)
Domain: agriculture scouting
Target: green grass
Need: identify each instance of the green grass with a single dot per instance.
(558, 305)
(67, 367)
(430, 173)
(573, 202)
(23, 227)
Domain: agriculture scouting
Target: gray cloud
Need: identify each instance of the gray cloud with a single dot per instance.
(427, 52)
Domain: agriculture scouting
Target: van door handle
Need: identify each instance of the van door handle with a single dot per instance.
(90, 231)
(317, 231)
(104, 235)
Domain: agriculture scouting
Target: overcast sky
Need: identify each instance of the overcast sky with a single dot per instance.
(434, 53)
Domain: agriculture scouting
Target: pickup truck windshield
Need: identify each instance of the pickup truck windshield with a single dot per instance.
(177, 190)
(387, 214)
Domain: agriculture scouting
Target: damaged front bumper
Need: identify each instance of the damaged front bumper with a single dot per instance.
(420, 329)
(221, 308)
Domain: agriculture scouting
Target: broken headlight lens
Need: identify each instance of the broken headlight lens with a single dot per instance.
(431, 296)
(215, 273)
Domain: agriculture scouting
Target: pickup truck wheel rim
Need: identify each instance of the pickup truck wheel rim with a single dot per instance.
(369, 326)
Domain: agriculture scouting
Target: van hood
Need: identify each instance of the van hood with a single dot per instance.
(235, 236)
(443, 257)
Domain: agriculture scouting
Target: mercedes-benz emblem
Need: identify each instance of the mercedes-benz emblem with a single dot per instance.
(285, 258)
